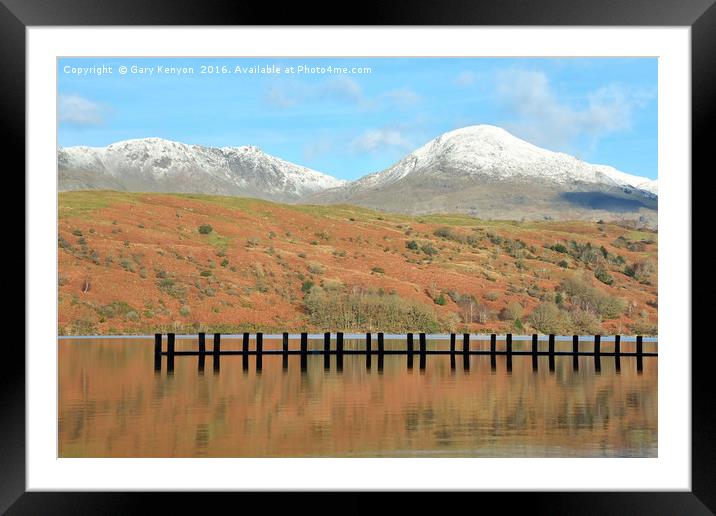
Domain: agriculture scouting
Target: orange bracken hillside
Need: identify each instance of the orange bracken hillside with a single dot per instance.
(139, 263)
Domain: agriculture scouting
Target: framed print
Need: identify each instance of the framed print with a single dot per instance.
(436, 256)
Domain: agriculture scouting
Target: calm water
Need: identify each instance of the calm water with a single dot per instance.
(112, 403)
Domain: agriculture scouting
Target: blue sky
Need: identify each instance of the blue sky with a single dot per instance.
(603, 110)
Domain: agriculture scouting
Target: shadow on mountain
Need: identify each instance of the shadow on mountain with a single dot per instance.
(605, 201)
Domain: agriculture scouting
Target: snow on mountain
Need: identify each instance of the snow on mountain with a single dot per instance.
(489, 151)
(481, 170)
(155, 164)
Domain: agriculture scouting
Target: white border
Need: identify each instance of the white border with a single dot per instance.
(670, 471)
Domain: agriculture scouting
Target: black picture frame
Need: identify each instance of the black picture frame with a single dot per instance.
(700, 15)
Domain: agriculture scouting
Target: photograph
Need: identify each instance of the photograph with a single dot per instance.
(357, 257)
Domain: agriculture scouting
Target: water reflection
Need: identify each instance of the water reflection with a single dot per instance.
(113, 403)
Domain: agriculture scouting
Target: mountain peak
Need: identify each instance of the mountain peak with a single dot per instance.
(160, 165)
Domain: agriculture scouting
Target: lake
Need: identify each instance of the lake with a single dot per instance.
(113, 403)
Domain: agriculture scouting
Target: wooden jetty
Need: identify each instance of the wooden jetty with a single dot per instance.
(369, 351)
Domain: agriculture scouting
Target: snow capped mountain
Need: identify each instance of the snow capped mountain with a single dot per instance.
(158, 165)
(485, 171)
(481, 170)
(489, 151)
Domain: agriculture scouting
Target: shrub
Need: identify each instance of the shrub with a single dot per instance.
(366, 311)
(548, 318)
(644, 327)
(378, 270)
(205, 229)
(429, 249)
(495, 239)
(564, 264)
(512, 312)
(443, 232)
(440, 300)
(641, 270)
(114, 309)
(492, 296)
(316, 268)
(185, 310)
(332, 284)
(168, 286)
(412, 245)
(584, 296)
(584, 322)
(602, 274)
(307, 285)
(205, 274)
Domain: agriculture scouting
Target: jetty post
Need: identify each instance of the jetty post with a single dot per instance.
(326, 351)
(423, 348)
(639, 354)
(202, 342)
(217, 352)
(170, 353)
(575, 352)
(339, 351)
(244, 352)
(157, 352)
(284, 349)
(170, 343)
(304, 351)
(368, 349)
(466, 351)
(597, 345)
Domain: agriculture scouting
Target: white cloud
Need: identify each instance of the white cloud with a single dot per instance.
(377, 140)
(402, 97)
(276, 97)
(77, 110)
(317, 148)
(540, 117)
(465, 79)
(341, 88)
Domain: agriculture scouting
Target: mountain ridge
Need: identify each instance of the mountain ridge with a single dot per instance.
(159, 165)
(481, 170)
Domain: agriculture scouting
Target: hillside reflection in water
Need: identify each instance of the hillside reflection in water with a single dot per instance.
(112, 403)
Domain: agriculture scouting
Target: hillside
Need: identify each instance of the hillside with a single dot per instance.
(145, 262)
